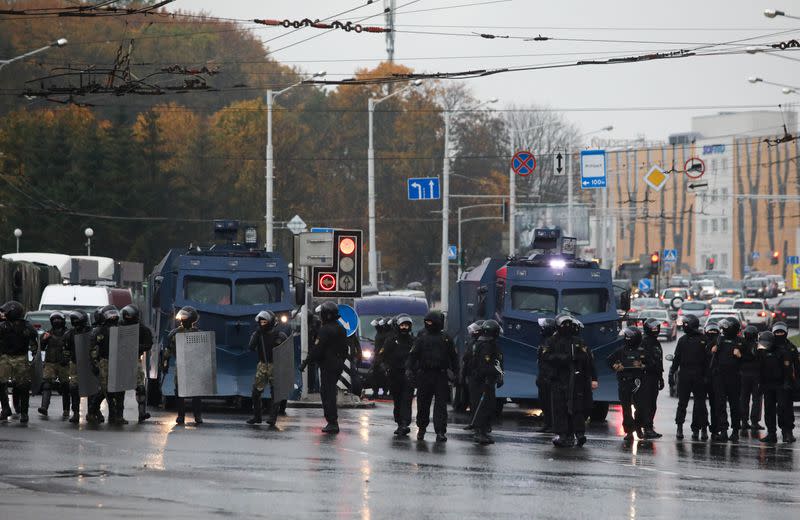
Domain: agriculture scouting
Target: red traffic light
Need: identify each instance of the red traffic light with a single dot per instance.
(347, 245)
(711, 260)
(776, 254)
(327, 282)
(654, 258)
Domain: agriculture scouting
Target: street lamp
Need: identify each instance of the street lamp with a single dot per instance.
(789, 90)
(89, 232)
(445, 262)
(17, 234)
(58, 43)
(772, 13)
(373, 249)
(271, 95)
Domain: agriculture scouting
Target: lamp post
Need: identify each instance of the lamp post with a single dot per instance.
(373, 248)
(89, 232)
(17, 234)
(772, 13)
(789, 88)
(445, 261)
(271, 95)
(58, 43)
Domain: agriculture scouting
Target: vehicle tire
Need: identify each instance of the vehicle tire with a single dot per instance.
(599, 412)
(153, 392)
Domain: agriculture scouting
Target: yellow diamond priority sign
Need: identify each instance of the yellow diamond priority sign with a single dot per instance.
(656, 178)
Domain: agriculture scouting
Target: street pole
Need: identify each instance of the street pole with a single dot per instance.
(373, 253)
(445, 267)
(568, 159)
(304, 333)
(512, 209)
(58, 43)
(460, 251)
(269, 222)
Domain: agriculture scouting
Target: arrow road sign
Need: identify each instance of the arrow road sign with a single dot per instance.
(452, 253)
(698, 185)
(348, 318)
(645, 284)
(755, 255)
(523, 163)
(423, 188)
(559, 164)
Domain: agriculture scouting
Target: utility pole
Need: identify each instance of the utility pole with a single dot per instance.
(389, 8)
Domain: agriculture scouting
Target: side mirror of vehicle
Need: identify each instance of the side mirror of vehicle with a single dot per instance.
(625, 300)
(300, 293)
(669, 357)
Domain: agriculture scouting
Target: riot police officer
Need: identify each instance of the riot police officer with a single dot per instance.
(572, 371)
(99, 351)
(781, 333)
(17, 339)
(329, 351)
(750, 374)
(690, 359)
(392, 358)
(775, 373)
(431, 361)
(712, 333)
(80, 325)
(187, 322)
(631, 362)
(56, 364)
(469, 400)
(486, 375)
(653, 380)
(726, 356)
(383, 332)
(547, 327)
(262, 341)
(130, 316)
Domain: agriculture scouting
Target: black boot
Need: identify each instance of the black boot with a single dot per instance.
(141, 401)
(75, 403)
(181, 406)
(695, 435)
(331, 427)
(440, 437)
(197, 410)
(275, 410)
(481, 437)
(15, 399)
(704, 433)
(24, 402)
(770, 438)
(46, 394)
(5, 408)
(628, 437)
(257, 404)
(580, 439)
(650, 433)
(679, 432)
(734, 437)
(119, 403)
(788, 436)
(421, 434)
(65, 400)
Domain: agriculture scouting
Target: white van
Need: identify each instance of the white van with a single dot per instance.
(70, 297)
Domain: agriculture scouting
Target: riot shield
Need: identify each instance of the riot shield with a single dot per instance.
(123, 357)
(88, 384)
(196, 363)
(283, 370)
(37, 372)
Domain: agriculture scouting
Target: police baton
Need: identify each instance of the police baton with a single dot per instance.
(477, 408)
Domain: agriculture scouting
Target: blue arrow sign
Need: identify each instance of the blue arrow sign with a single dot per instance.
(348, 318)
(670, 255)
(793, 260)
(423, 188)
(452, 253)
(593, 169)
(645, 284)
(322, 230)
(755, 255)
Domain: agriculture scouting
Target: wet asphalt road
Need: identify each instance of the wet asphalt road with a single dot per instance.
(225, 468)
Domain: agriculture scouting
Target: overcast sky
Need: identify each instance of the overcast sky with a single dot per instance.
(696, 81)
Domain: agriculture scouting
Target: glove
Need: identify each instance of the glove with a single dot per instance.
(303, 365)
(661, 384)
(500, 382)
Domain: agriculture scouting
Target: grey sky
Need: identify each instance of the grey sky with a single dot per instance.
(696, 81)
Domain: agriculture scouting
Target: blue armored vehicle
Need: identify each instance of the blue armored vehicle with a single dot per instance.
(518, 291)
(228, 283)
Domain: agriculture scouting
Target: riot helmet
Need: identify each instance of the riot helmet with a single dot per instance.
(491, 329)
(766, 340)
(404, 324)
(750, 334)
(110, 315)
(434, 321)
(729, 327)
(548, 326)
(328, 312)
(631, 337)
(97, 317)
(58, 320)
(780, 330)
(711, 330)
(130, 314)
(691, 324)
(78, 319)
(568, 325)
(13, 310)
(652, 327)
(474, 329)
(187, 317)
(269, 319)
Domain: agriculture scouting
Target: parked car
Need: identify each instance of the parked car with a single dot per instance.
(679, 281)
(707, 289)
(787, 310)
(669, 329)
(668, 297)
(696, 308)
(755, 288)
(718, 315)
(755, 312)
(722, 302)
(85, 297)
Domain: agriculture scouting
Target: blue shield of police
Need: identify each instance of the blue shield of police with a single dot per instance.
(283, 370)
(196, 363)
(88, 384)
(123, 357)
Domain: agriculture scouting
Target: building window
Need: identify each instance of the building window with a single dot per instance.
(724, 164)
(713, 225)
(704, 227)
(724, 223)
(725, 260)
(713, 165)
(713, 195)
(724, 193)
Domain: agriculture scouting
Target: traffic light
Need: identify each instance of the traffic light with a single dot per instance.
(710, 261)
(655, 261)
(776, 256)
(343, 278)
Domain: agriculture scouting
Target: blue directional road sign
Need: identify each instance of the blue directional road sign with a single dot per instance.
(348, 318)
(670, 255)
(747, 269)
(755, 255)
(452, 253)
(793, 260)
(593, 169)
(424, 188)
(645, 285)
(321, 230)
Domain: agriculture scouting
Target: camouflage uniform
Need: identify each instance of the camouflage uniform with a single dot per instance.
(17, 338)
(170, 348)
(262, 342)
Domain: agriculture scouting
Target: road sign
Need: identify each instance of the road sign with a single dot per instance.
(424, 188)
(670, 255)
(694, 168)
(796, 277)
(593, 169)
(656, 178)
(296, 225)
(747, 269)
(523, 163)
(452, 253)
(645, 285)
(666, 267)
(321, 230)
(348, 318)
(314, 249)
(697, 186)
(793, 260)
(755, 255)
(560, 163)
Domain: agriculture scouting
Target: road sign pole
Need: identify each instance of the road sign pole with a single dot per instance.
(304, 333)
(569, 193)
(373, 248)
(512, 210)
(445, 262)
(269, 174)
(460, 270)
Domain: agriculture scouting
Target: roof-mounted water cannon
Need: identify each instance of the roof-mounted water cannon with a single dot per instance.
(227, 230)
(551, 242)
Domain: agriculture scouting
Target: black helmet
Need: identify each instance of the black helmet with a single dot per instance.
(780, 329)
(652, 327)
(267, 316)
(434, 321)
(78, 318)
(567, 324)
(730, 327)
(491, 329)
(767, 340)
(13, 310)
(474, 329)
(750, 334)
(58, 317)
(404, 324)
(691, 323)
(130, 314)
(188, 316)
(110, 315)
(711, 329)
(97, 317)
(631, 337)
(328, 312)
(548, 326)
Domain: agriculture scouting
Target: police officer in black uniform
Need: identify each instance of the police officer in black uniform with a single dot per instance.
(99, 349)
(187, 322)
(781, 334)
(378, 379)
(468, 400)
(572, 371)
(775, 373)
(690, 359)
(545, 374)
(486, 375)
(392, 358)
(750, 398)
(56, 364)
(712, 333)
(726, 357)
(130, 316)
(265, 338)
(17, 339)
(80, 325)
(329, 352)
(430, 360)
(653, 380)
(631, 362)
